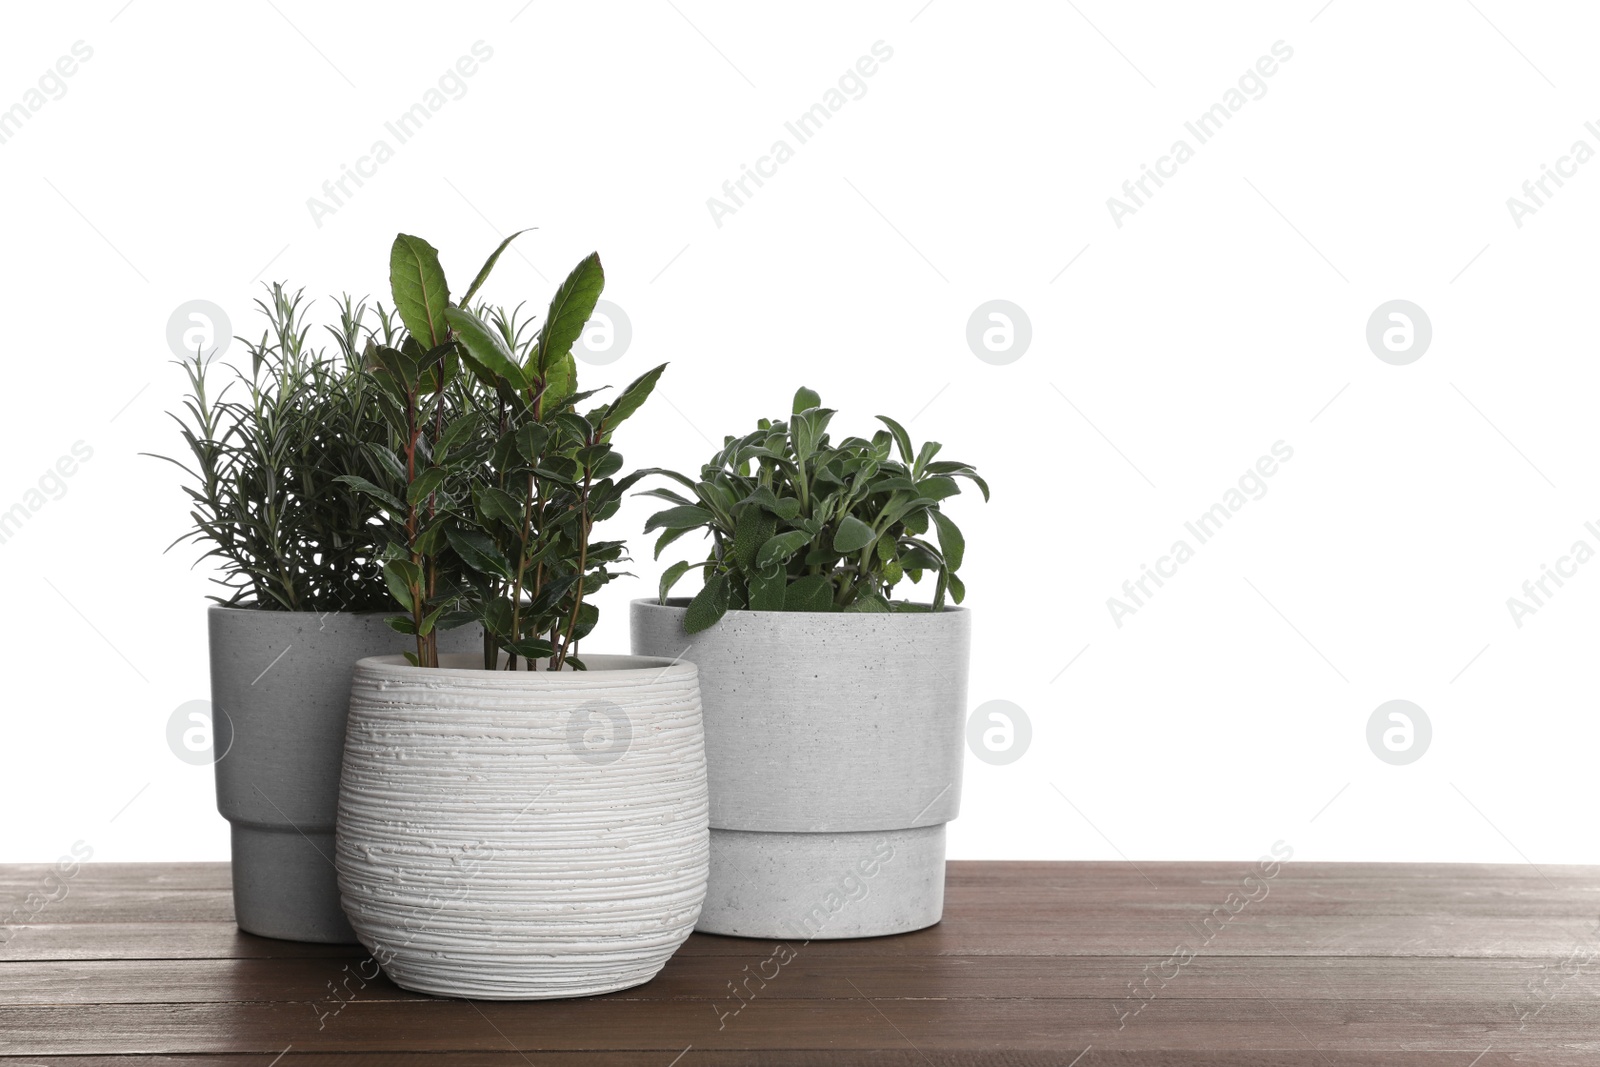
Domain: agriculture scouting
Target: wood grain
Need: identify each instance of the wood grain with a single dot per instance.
(1338, 964)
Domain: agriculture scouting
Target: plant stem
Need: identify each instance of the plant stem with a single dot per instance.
(413, 432)
(584, 523)
(522, 564)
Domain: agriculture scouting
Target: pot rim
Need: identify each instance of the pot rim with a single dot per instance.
(681, 603)
(257, 609)
(653, 668)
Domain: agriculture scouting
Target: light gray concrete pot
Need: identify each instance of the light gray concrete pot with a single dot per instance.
(517, 835)
(833, 754)
(280, 688)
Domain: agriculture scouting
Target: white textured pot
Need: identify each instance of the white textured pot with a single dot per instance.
(280, 687)
(833, 754)
(516, 835)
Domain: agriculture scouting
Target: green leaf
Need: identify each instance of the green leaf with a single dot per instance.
(814, 592)
(807, 430)
(678, 518)
(560, 380)
(666, 494)
(806, 399)
(452, 620)
(778, 549)
(958, 592)
(437, 365)
(420, 292)
(708, 606)
(426, 485)
(531, 649)
(868, 602)
(430, 620)
(400, 576)
(670, 536)
(681, 479)
(498, 504)
(392, 362)
(960, 470)
(569, 311)
(894, 485)
(483, 273)
(632, 398)
(430, 541)
(588, 618)
(382, 496)
(766, 455)
(924, 457)
(896, 510)
(460, 428)
(478, 552)
(573, 429)
(671, 576)
(901, 438)
(486, 347)
(951, 543)
(530, 439)
(767, 589)
(938, 487)
(852, 536)
(751, 530)
(919, 555)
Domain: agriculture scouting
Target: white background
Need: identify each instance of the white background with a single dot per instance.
(1227, 314)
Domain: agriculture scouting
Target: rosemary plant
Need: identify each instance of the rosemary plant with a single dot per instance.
(267, 449)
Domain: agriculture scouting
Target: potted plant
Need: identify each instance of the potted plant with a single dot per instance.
(834, 712)
(266, 453)
(522, 822)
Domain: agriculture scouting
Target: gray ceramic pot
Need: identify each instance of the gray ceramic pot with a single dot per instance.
(833, 756)
(280, 690)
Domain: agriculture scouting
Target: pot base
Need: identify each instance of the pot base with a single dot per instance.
(464, 975)
(824, 886)
(284, 886)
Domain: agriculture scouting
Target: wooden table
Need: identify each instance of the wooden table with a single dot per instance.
(1035, 964)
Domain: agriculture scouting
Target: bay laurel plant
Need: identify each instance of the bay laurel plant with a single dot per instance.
(269, 445)
(494, 480)
(800, 523)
